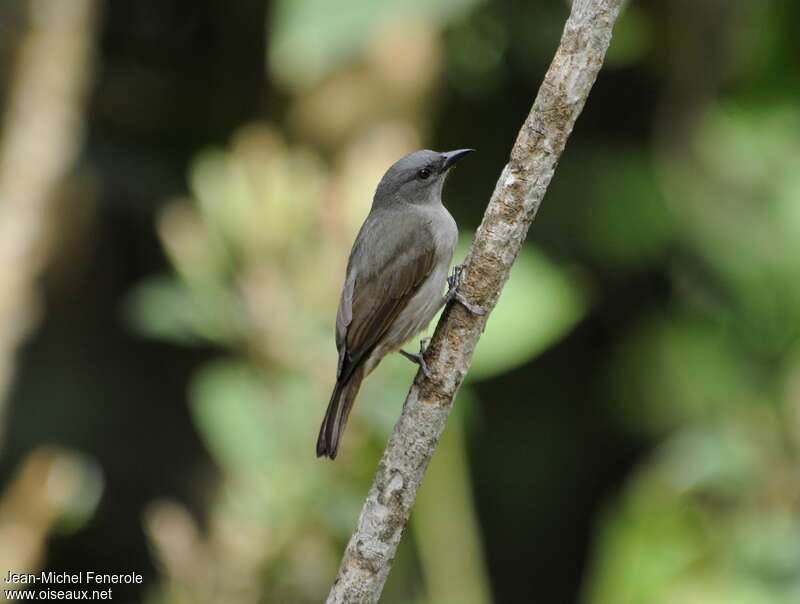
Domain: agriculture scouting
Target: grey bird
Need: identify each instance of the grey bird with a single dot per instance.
(395, 278)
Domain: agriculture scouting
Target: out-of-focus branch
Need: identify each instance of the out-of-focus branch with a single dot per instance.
(41, 135)
(49, 483)
(511, 210)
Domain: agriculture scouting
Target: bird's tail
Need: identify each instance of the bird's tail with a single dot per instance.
(336, 416)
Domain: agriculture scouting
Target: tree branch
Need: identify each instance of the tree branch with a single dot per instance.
(41, 137)
(511, 210)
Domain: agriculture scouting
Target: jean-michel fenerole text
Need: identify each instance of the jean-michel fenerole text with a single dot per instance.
(72, 578)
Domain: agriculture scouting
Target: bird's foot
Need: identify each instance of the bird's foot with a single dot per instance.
(419, 358)
(453, 281)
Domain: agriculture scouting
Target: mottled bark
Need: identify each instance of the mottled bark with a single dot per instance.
(516, 198)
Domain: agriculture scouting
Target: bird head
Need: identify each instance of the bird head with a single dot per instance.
(418, 177)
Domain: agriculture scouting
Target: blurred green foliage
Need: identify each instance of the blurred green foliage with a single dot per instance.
(540, 303)
(702, 523)
(639, 380)
(311, 38)
(712, 516)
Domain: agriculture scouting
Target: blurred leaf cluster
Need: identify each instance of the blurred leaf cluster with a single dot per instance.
(713, 515)
(257, 254)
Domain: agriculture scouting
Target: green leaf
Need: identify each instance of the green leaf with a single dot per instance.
(229, 405)
(540, 304)
(256, 422)
(164, 308)
(310, 38)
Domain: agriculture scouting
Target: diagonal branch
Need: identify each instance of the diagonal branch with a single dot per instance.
(41, 135)
(519, 191)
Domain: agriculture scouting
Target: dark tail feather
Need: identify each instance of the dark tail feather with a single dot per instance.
(336, 416)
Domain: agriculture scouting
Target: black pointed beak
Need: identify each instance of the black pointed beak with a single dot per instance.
(451, 157)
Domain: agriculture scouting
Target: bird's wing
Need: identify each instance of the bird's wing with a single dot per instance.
(379, 284)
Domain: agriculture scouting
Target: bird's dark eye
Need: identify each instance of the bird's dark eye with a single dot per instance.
(423, 173)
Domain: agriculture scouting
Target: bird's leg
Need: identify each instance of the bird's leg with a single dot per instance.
(453, 281)
(419, 358)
